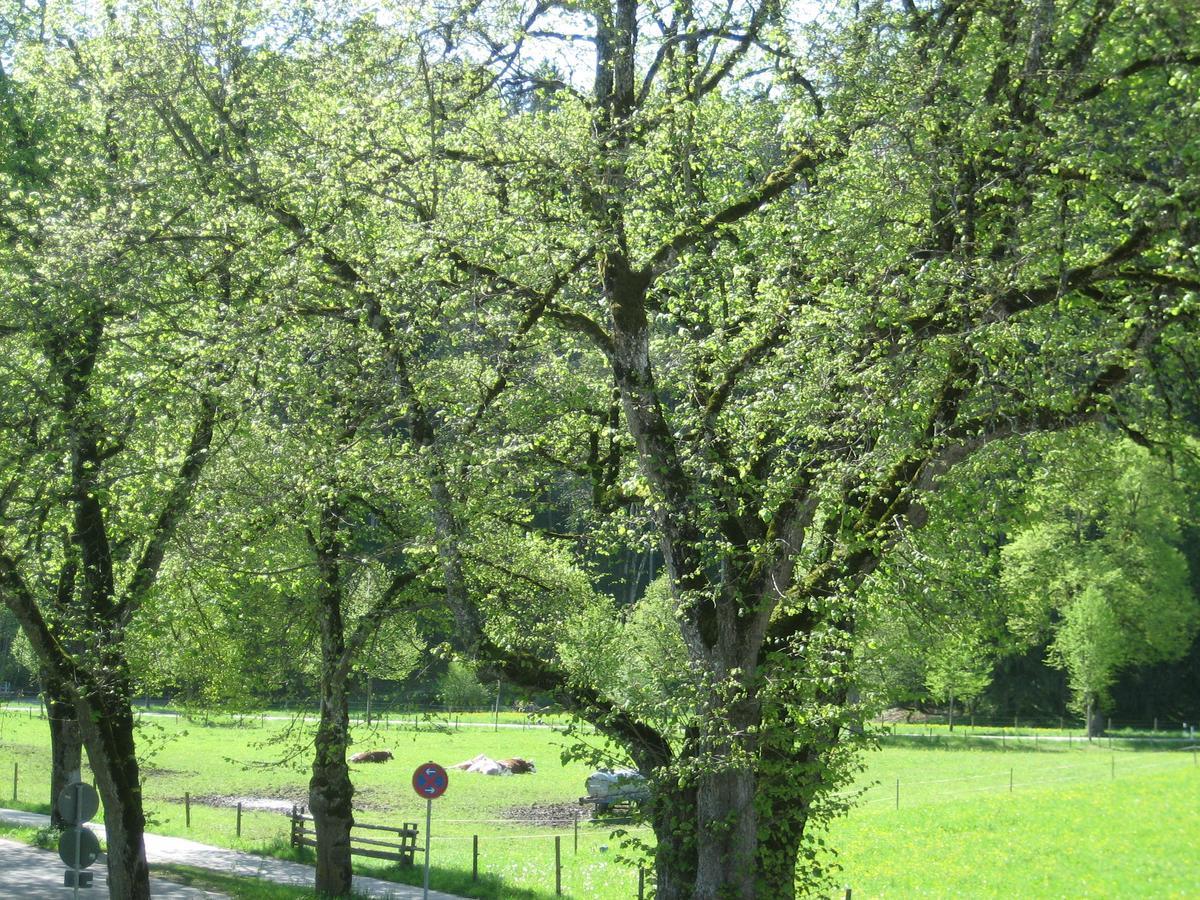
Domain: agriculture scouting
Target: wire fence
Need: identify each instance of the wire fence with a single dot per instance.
(899, 791)
(407, 716)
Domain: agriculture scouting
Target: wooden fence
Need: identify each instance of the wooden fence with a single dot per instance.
(400, 850)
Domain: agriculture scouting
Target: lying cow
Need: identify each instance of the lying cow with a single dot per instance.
(372, 756)
(485, 765)
(518, 766)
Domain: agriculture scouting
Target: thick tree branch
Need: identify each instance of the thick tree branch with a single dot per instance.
(24, 607)
(585, 326)
(176, 504)
(370, 621)
(649, 748)
(1141, 65)
(772, 186)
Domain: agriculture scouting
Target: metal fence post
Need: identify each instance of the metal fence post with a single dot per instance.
(557, 865)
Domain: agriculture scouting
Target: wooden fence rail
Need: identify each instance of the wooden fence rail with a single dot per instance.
(400, 850)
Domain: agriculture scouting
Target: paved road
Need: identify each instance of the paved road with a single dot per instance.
(160, 849)
(27, 873)
(393, 721)
(1181, 742)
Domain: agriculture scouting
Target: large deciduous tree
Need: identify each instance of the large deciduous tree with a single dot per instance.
(828, 261)
(110, 395)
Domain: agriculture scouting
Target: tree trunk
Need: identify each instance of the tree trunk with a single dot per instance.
(1095, 719)
(330, 795)
(727, 820)
(330, 792)
(66, 742)
(673, 818)
(779, 846)
(369, 685)
(107, 724)
(795, 767)
(727, 836)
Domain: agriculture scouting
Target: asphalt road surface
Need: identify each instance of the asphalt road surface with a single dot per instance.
(31, 874)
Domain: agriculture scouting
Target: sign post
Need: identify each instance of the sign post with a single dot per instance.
(429, 781)
(78, 847)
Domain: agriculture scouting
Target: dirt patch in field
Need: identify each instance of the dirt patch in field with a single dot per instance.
(547, 815)
(268, 804)
(282, 803)
(156, 772)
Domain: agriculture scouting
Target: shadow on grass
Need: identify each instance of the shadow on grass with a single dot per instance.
(456, 881)
(451, 881)
(232, 885)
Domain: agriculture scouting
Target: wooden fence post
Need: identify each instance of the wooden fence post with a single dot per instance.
(1010, 780)
(474, 857)
(557, 866)
(641, 883)
(239, 820)
(187, 809)
(897, 793)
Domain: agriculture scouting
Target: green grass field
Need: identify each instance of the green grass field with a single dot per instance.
(1078, 820)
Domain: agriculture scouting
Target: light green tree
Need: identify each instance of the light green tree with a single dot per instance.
(1097, 571)
(958, 668)
(109, 393)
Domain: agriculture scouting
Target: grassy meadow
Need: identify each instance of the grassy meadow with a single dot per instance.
(976, 818)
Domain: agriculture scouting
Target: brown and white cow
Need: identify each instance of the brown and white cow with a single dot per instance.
(371, 756)
(518, 766)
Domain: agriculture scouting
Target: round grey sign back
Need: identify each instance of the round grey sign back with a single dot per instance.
(78, 803)
(78, 847)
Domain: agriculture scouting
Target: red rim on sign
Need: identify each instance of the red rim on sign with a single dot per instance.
(430, 780)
